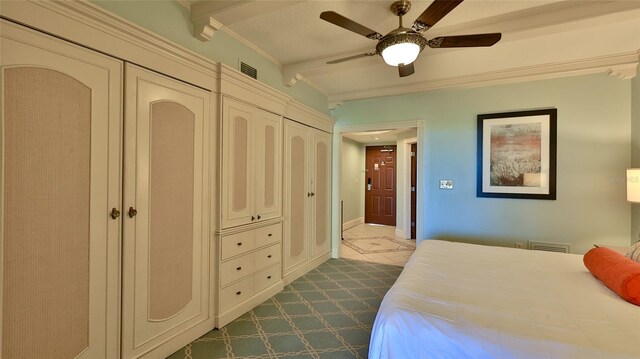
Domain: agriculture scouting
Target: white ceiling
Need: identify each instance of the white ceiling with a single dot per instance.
(540, 38)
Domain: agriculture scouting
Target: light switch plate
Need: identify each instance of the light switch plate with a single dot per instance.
(446, 184)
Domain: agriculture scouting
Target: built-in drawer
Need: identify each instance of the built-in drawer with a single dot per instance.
(267, 277)
(236, 244)
(236, 294)
(267, 256)
(235, 269)
(267, 235)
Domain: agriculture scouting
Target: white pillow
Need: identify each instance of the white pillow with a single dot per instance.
(634, 252)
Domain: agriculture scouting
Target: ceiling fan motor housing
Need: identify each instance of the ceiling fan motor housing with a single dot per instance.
(400, 37)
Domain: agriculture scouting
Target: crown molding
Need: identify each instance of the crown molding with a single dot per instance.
(252, 46)
(622, 65)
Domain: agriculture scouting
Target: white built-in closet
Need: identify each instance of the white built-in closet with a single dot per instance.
(104, 203)
(143, 199)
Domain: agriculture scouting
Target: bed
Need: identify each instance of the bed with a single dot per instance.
(456, 300)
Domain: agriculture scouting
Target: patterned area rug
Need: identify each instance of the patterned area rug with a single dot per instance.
(371, 245)
(328, 313)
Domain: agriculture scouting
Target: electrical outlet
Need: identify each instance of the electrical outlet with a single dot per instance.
(519, 245)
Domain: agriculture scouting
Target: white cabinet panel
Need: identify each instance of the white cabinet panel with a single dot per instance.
(307, 206)
(60, 149)
(165, 263)
(297, 195)
(321, 194)
(251, 164)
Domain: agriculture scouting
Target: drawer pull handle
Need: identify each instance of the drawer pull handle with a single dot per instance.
(268, 277)
(239, 268)
(269, 256)
(238, 292)
(239, 244)
(269, 235)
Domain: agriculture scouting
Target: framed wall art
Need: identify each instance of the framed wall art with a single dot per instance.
(517, 154)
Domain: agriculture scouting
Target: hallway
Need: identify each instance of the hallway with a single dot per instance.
(376, 243)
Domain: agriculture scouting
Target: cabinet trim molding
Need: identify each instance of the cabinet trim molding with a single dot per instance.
(237, 85)
(91, 26)
(300, 113)
(248, 227)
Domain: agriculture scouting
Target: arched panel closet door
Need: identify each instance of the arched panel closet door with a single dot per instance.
(321, 233)
(165, 250)
(60, 154)
(297, 196)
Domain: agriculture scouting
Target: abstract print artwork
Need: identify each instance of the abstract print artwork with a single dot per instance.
(516, 154)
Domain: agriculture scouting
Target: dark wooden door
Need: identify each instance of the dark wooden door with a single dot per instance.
(380, 185)
(414, 187)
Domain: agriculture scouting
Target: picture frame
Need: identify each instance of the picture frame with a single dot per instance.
(517, 154)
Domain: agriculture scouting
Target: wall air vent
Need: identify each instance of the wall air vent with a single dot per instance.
(549, 247)
(248, 70)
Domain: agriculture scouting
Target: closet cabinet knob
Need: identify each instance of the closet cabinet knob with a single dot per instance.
(269, 256)
(253, 218)
(312, 194)
(269, 277)
(259, 217)
(238, 292)
(132, 212)
(308, 194)
(239, 244)
(115, 213)
(239, 268)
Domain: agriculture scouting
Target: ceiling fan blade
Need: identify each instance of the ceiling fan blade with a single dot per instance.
(405, 70)
(345, 23)
(434, 13)
(351, 58)
(465, 40)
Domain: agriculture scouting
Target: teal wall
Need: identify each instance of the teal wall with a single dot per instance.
(352, 179)
(594, 141)
(635, 151)
(170, 20)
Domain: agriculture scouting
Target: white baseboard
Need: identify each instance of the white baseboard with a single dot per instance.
(402, 233)
(233, 313)
(352, 223)
(299, 272)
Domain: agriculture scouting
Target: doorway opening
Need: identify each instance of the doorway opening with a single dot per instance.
(378, 219)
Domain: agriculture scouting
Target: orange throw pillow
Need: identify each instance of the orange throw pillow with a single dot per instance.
(617, 272)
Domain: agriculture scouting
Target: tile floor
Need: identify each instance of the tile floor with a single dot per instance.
(327, 313)
(377, 244)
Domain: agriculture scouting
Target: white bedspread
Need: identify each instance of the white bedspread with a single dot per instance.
(456, 300)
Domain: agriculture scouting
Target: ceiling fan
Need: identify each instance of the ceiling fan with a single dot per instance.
(402, 46)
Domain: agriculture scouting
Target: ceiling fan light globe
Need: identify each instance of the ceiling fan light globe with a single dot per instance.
(402, 53)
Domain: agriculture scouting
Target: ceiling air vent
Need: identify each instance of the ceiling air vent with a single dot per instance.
(248, 70)
(549, 247)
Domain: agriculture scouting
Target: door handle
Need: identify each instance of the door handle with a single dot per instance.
(132, 212)
(369, 185)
